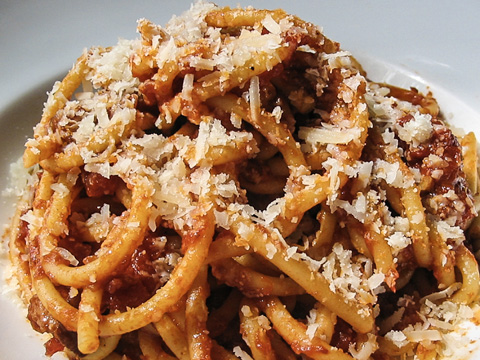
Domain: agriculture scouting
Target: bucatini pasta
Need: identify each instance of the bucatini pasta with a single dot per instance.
(231, 185)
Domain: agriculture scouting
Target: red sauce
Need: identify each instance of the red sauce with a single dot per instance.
(97, 185)
(135, 281)
(445, 145)
(343, 335)
(53, 346)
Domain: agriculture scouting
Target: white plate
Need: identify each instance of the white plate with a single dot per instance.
(430, 44)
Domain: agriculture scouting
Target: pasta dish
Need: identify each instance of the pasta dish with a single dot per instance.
(233, 185)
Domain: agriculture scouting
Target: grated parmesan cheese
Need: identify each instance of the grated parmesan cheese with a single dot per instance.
(67, 255)
(271, 25)
(314, 137)
(398, 241)
(448, 232)
(271, 250)
(363, 350)
(416, 131)
(241, 354)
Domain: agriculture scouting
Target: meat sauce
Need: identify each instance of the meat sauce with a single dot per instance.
(43, 322)
(97, 185)
(134, 282)
(447, 174)
(137, 282)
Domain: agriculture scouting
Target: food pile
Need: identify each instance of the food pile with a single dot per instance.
(232, 185)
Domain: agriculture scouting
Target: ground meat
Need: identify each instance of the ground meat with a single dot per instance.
(448, 196)
(137, 281)
(97, 185)
(43, 322)
(343, 336)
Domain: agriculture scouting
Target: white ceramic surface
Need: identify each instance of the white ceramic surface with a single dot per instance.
(431, 44)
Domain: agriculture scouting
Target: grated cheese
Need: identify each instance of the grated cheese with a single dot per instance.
(67, 255)
(271, 25)
(345, 274)
(246, 311)
(448, 232)
(398, 241)
(271, 250)
(416, 131)
(31, 219)
(254, 95)
(73, 292)
(314, 137)
(241, 354)
(187, 87)
(363, 350)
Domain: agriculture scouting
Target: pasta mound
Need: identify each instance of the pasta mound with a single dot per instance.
(233, 185)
